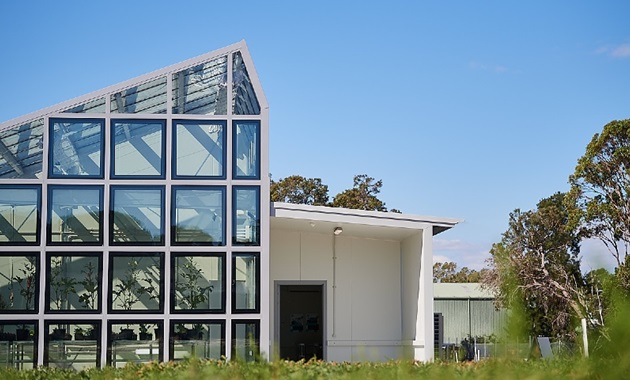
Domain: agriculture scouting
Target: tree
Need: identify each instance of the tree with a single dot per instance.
(600, 191)
(297, 189)
(447, 273)
(535, 269)
(362, 196)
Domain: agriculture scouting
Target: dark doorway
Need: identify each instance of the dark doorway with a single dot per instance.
(301, 324)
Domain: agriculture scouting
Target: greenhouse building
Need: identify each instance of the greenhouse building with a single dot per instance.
(136, 225)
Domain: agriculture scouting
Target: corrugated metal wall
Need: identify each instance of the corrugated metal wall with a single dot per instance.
(482, 319)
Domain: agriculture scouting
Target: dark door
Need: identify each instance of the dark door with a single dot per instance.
(301, 322)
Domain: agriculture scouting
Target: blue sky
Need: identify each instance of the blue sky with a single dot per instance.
(465, 109)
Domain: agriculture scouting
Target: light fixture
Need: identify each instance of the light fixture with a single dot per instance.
(338, 230)
(312, 224)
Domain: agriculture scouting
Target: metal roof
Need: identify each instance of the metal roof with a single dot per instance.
(460, 291)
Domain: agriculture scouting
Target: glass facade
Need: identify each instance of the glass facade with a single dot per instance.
(129, 211)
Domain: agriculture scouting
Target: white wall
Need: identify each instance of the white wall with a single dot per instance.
(364, 322)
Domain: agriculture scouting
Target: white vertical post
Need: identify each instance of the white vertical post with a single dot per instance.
(424, 319)
(585, 337)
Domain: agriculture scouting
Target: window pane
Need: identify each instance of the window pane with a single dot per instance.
(244, 100)
(245, 340)
(21, 150)
(201, 340)
(198, 283)
(19, 283)
(199, 215)
(199, 149)
(76, 148)
(136, 282)
(18, 346)
(137, 215)
(72, 345)
(134, 342)
(19, 214)
(245, 282)
(73, 282)
(138, 149)
(92, 106)
(201, 89)
(75, 214)
(246, 162)
(246, 218)
(148, 97)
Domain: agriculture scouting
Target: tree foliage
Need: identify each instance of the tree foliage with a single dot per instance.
(297, 189)
(535, 268)
(362, 195)
(600, 190)
(447, 273)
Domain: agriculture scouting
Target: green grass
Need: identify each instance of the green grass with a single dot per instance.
(487, 369)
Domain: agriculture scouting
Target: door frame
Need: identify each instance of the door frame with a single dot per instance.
(276, 323)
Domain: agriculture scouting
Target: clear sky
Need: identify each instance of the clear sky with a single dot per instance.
(465, 109)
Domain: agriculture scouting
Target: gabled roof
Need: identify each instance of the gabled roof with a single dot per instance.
(198, 86)
(387, 225)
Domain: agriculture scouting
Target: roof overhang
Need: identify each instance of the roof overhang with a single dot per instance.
(370, 224)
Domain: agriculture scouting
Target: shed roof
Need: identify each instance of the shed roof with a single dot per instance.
(460, 291)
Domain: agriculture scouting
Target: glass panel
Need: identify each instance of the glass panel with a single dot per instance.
(198, 283)
(21, 150)
(19, 214)
(201, 340)
(246, 216)
(246, 162)
(245, 340)
(135, 342)
(73, 282)
(76, 148)
(244, 100)
(18, 348)
(73, 345)
(245, 282)
(201, 89)
(136, 282)
(199, 149)
(148, 97)
(137, 215)
(199, 215)
(138, 149)
(19, 283)
(93, 106)
(75, 214)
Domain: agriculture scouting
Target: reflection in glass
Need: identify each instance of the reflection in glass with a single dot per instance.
(137, 215)
(246, 149)
(19, 214)
(72, 345)
(75, 214)
(73, 282)
(244, 100)
(245, 281)
(201, 89)
(149, 97)
(201, 340)
(134, 342)
(199, 215)
(92, 106)
(198, 283)
(18, 348)
(136, 282)
(199, 149)
(21, 150)
(76, 148)
(19, 283)
(138, 149)
(245, 340)
(246, 215)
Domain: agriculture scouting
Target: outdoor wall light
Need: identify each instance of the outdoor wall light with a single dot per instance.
(338, 230)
